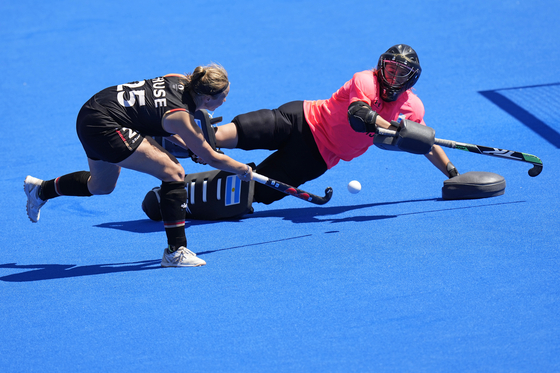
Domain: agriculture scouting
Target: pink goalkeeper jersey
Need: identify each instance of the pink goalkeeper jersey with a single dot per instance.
(328, 119)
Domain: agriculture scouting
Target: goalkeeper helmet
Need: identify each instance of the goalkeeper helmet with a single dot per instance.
(398, 69)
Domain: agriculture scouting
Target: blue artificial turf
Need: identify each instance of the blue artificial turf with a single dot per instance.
(391, 279)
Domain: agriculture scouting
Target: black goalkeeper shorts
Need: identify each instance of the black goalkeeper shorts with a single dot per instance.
(296, 159)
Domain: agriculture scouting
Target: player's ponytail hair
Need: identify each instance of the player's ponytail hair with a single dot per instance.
(208, 80)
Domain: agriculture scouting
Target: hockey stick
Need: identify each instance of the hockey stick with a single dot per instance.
(485, 150)
(288, 189)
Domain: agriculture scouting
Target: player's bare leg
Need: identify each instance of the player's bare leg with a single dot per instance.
(226, 136)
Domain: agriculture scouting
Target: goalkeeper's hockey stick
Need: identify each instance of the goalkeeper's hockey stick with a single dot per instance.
(494, 152)
(293, 191)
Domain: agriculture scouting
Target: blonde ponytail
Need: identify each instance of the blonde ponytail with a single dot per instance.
(208, 80)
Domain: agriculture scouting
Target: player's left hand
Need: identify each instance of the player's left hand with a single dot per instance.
(247, 175)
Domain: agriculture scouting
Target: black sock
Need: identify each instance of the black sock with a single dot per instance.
(173, 200)
(176, 235)
(74, 184)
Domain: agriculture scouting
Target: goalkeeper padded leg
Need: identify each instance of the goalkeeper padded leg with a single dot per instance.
(216, 195)
(212, 195)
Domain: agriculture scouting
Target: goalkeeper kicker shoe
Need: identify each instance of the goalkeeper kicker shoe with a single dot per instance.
(182, 257)
(31, 186)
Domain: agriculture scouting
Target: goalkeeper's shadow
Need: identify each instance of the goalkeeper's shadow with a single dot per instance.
(313, 214)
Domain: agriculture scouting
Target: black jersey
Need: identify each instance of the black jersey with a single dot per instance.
(141, 105)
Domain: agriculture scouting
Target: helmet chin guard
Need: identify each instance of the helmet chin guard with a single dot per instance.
(398, 69)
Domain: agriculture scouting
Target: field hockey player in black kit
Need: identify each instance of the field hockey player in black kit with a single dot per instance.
(116, 127)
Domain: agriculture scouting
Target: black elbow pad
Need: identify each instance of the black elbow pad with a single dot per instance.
(362, 117)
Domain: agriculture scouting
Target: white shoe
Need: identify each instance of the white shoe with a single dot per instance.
(31, 186)
(182, 257)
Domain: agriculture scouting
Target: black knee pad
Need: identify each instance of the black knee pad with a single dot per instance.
(173, 200)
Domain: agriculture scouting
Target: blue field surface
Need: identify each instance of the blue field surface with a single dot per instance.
(392, 279)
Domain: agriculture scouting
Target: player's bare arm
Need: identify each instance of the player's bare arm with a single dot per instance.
(182, 124)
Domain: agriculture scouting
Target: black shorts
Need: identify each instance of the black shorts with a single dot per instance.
(296, 159)
(102, 137)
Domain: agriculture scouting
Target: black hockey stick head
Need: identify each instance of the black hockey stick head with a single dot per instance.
(327, 197)
(536, 170)
(306, 196)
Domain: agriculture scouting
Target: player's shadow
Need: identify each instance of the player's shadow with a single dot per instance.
(38, 272)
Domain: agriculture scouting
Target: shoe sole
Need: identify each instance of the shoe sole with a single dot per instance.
(178, 266)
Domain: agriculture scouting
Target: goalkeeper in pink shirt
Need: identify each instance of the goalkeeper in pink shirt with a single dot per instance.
(310, 137)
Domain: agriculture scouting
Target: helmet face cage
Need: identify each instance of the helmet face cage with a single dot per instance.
(398, 70)
(395, 73)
